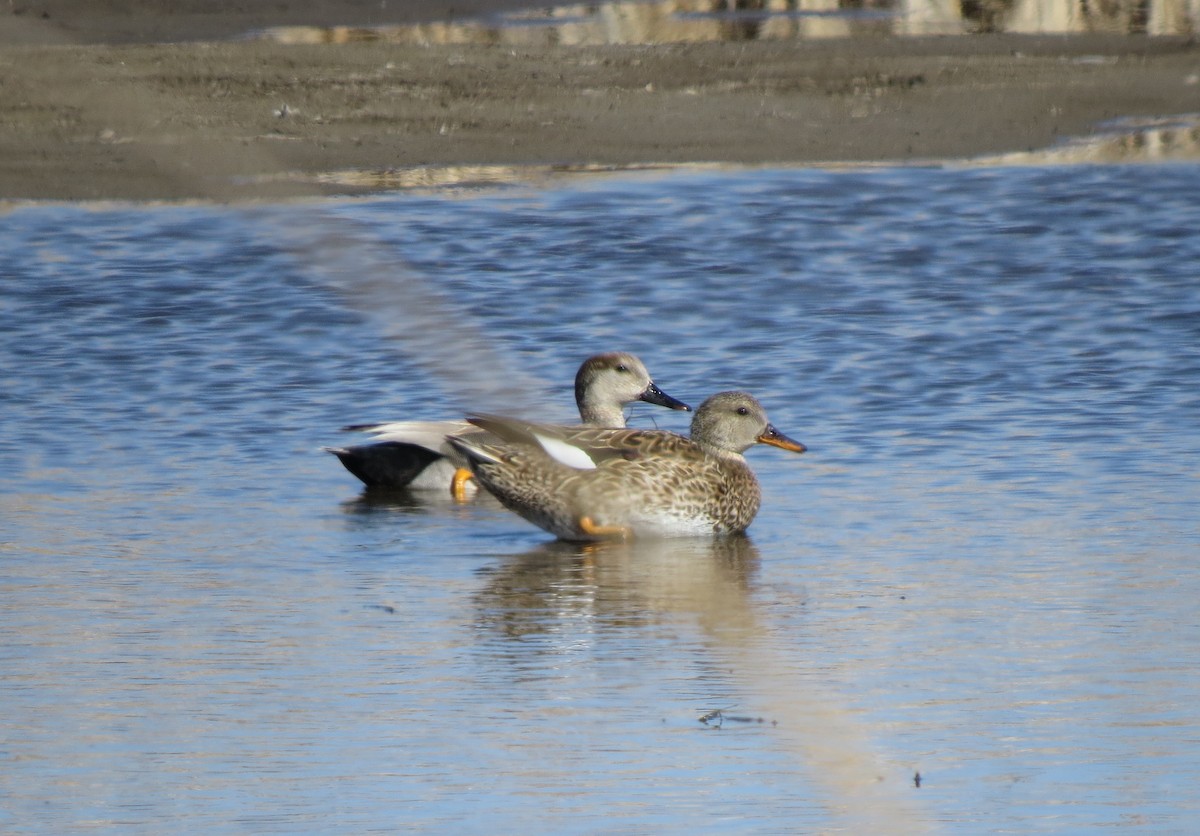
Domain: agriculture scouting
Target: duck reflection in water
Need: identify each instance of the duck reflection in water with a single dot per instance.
(617, 584)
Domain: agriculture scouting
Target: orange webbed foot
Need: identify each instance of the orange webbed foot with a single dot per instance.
(458, 484)
(589, 527)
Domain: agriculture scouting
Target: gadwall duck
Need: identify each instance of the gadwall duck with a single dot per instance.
(417, 454)
(590, 484)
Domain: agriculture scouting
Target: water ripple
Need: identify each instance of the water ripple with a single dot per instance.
(982, 570)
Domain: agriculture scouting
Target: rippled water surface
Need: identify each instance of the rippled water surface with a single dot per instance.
(985, 569)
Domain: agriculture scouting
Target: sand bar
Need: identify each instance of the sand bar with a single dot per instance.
(100, 103)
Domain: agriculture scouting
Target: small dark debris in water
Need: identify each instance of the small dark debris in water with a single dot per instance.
(717, 718)
(917, 780)
(387, 608)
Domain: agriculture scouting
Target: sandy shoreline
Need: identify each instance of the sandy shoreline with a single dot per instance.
(235, 120)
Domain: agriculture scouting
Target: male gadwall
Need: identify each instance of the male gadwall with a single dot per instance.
(590, 484)
(417, 454)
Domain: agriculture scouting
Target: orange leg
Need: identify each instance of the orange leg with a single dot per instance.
(458, 485)
(588, 526)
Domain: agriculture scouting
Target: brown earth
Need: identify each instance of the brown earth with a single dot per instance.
(94, 105)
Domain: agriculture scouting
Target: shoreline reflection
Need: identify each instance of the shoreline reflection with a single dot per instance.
(1129, 142)
(697, 21)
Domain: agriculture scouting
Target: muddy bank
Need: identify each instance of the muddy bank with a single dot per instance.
(254, 118)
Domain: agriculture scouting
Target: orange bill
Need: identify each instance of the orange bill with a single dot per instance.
(775, 438)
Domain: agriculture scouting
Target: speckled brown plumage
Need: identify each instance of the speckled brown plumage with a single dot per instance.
(640, 482)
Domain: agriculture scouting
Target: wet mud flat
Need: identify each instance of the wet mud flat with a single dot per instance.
(259, 119)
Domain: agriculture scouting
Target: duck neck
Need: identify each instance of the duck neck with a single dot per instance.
(723, 453)
(602, 415)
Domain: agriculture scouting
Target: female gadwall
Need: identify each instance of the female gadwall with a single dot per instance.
(416, 454)
(589, 484)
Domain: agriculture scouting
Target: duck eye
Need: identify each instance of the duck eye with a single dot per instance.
(622, 367)
(743, 411)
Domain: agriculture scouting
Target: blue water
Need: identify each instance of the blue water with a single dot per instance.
(984, 570)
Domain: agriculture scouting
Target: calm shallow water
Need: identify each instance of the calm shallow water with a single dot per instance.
(984, 570)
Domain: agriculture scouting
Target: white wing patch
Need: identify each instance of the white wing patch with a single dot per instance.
(567, 454)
